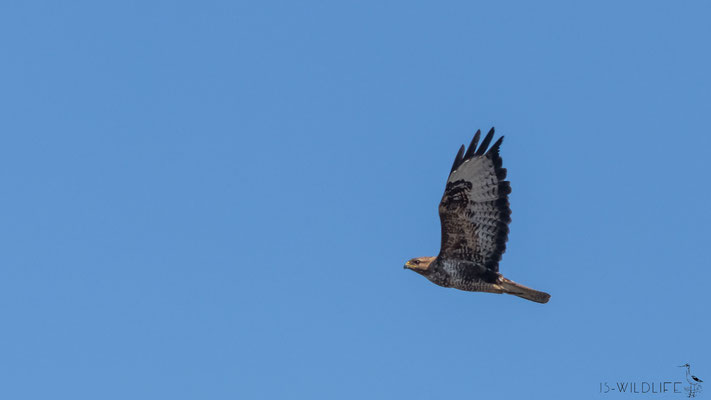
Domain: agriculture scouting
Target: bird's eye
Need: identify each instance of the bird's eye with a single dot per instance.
(415, 262)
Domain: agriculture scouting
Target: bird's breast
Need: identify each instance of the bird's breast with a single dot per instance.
(464, 276)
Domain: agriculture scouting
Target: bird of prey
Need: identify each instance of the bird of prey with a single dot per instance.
(474, 214)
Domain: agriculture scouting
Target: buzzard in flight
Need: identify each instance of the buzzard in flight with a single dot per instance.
(474, 213)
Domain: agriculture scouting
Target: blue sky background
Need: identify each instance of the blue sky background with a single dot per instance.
(215, 199)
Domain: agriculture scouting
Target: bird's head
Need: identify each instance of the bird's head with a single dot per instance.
(684, 366)
(420, 264)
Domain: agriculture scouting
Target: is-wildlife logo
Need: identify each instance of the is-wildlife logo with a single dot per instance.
(662, 386)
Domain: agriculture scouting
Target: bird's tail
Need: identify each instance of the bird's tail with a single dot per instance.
(511, 287)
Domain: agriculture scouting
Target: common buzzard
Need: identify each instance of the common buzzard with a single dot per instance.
(474, 213)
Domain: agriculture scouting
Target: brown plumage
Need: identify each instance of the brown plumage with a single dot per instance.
(474, 214)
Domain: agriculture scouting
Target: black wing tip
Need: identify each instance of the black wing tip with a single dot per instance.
(480, 150)
(458, 159)
(474, 151)
(485, 143)
(472, 145)
(497, 145)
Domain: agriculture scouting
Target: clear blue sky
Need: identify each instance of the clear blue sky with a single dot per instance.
(215, 200)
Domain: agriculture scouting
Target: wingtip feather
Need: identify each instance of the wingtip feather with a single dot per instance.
(457, 159)
(497, 145)
(472, 145)
(485, 143)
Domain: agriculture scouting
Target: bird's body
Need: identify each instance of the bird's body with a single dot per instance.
(462, 276)
(693, 380)
(474, 213)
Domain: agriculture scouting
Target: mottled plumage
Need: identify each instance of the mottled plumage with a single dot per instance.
(474, 214)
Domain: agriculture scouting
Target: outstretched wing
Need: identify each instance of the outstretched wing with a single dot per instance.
(474, 211)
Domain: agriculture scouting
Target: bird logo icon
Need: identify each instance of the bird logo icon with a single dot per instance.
(694, 387)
